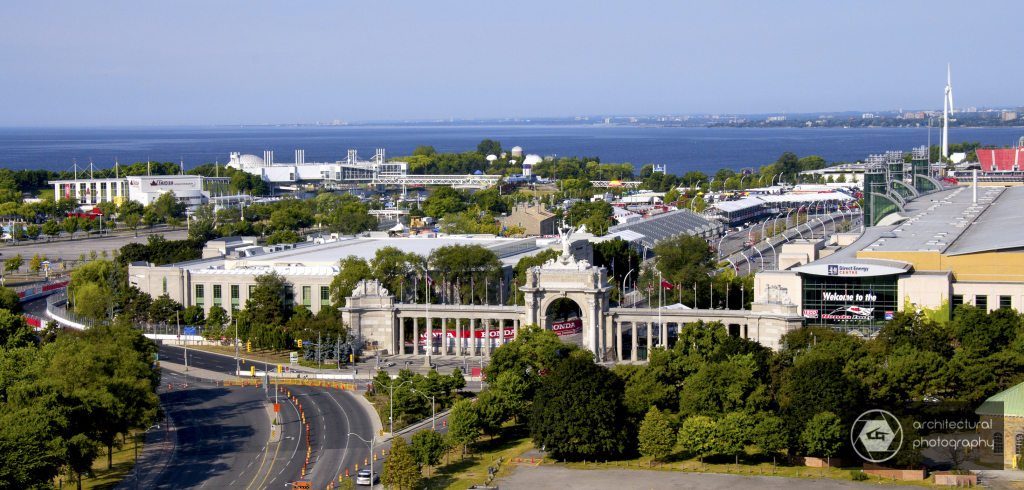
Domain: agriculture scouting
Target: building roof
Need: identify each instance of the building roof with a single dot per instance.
(1001, 159)
(1009, 402)
(997, 227)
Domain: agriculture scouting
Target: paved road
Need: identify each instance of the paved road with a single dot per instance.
(222, 436)
(331, 414)
(71, 249)
(561, 478)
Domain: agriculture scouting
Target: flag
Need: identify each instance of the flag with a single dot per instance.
(650, 287)
(430, 281)
(667, 285)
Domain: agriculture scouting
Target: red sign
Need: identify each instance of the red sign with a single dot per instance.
(277, 407)
(568, 328)
(810, 313)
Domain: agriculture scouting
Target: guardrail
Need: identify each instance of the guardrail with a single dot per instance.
(56, 308)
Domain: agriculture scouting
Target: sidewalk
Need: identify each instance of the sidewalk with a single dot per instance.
(156, 454)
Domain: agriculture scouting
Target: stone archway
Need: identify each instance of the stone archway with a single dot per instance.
(567, 278)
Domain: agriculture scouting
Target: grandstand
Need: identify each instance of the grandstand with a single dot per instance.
(672, 223)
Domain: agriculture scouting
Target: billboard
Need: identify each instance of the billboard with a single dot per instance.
(165, 183)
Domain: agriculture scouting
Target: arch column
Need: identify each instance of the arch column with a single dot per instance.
(618, 340)
(632, 347)
(401, 335)
(444, 336)
(459, 350)
(472, 337)
(487, 337)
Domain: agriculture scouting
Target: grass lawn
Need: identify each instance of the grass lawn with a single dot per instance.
(257, 356)
(100, 478)
(461, 472)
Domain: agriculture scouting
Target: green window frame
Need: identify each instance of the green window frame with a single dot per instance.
(235, 295)
(1005, 302)
(216, 294)
(981, 301)
(165, 285)
(307, 296)
(200, 298)
(289, 295)
(325, 295)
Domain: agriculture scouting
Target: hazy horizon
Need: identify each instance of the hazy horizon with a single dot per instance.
(253, 63)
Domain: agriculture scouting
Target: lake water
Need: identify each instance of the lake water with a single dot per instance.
(680, 149)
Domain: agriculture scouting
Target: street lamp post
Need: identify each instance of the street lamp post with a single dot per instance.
(623, 296)
(433, 413)
(369, 444)
(391, 402)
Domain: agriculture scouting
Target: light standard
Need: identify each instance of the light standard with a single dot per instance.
(433, 413)
(370, 459)
(624, 279)
(391, 402)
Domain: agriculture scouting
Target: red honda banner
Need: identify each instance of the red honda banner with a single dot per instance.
(567, 328)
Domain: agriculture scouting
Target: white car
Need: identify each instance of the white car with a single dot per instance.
(364, 477)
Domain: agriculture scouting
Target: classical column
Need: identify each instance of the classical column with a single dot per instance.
(401, 335)
(650, 339)
(515, 329)
(472, 337)
(633, 353)
(428, 347)
(459, 349)
(618, 340)
(444, 336)
(595, 333)
(415, 336)
(664, 334)
(487, 337)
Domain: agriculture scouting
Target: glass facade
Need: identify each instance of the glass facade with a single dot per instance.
(200, 297)
(1006, 302)
(981, 301)
(325, 295)
(235, 297)
(216, 295)
(307, 296)
(850, 304)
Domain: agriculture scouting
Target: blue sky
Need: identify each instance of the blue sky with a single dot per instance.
(249, 62)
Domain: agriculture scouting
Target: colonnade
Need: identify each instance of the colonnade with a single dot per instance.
(458, 334)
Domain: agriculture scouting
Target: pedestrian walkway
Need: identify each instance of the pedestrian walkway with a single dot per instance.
(161, 443)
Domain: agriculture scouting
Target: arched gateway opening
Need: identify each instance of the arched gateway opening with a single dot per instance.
(564, 316)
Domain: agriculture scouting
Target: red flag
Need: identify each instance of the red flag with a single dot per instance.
(430, 281)
(650, 287)
(667, 285)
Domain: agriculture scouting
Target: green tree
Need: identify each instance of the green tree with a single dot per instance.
(656, 437)
(36, 264)
(489, 147)
(697, 436)
(771, 436)
(428, 447)
(266, 303)
(193, 315)
(492, 410)
(9, 300)
(721, 387)
(167, 206)
(464, 424)
(512, 388)
(578, 411)
(164, 309)
(823, 435)
(14, 332)
(218, 318)
(32, 231)
(733, 432)
(70, 225)
(14, 263)
(132, 221)
(353, 270)
(401, 470)
(391, 266)
(283, 236)
(424, 151)
(51, 228)
(444, 200)
(685, 259)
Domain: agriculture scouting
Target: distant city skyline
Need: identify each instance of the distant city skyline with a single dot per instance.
(252, 63)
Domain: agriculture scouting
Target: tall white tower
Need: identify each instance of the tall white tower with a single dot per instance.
(947, 106)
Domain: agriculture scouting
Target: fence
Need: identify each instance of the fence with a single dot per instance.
(57, 308)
